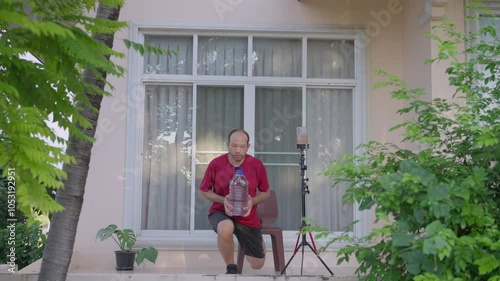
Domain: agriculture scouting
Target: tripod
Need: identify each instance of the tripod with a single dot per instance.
(305, 190)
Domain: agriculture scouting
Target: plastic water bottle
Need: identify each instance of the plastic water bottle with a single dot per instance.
(238, 193)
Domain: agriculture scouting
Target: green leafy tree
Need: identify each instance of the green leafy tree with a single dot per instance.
(68, 88)
(30, 92)
(441, 204)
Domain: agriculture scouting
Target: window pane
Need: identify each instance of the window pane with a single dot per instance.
(278, 114)
(167, 157)
(485, 21)
(330, 59)
(330, 132)
(219, 110)
(224, 56)
(277, 57)
(182, 63)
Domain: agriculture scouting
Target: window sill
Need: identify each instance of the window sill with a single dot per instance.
(208, 242)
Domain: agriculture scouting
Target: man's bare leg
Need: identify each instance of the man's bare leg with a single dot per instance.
(257, 263)
(225, 240)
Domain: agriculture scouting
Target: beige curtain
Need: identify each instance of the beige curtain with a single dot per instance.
(330, 130)
(167, 157)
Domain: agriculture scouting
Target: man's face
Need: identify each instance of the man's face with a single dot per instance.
(238, 146)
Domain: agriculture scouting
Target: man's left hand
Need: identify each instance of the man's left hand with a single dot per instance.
(249, 206)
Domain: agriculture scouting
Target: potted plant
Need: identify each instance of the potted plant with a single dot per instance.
(125, 238)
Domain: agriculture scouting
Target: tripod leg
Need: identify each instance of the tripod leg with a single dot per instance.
(326, 266)
(294, 252)
(302, 262)
(291, 258)
(312, 241)
(296, 245)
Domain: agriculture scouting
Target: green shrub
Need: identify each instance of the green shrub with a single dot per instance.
(29, 244)
(440, 204)
(29, 240)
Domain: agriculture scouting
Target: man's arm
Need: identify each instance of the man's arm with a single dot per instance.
(261, 197)
(212, 196)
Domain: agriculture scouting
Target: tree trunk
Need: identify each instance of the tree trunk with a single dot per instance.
(61, 237)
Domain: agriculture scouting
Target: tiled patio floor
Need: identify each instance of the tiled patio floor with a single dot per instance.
(200, 274)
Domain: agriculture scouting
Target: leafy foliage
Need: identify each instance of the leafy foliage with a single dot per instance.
(32, 93)
(149, 49)
(65, 86)
(57, 33)
(440, 204)
(29, 241)
(125, 239)
(29, 244)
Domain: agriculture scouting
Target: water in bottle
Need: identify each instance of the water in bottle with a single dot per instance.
(238, 193)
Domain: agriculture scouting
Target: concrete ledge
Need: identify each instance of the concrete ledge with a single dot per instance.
(18, 277)
(152, 272)
(178, 277)
(7, 269)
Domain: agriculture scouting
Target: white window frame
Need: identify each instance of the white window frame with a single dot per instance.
(204, 239)
(471, 25)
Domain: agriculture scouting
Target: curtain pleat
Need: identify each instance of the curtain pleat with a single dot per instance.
(329, 123)
(277, 57)
(222, 56)
(166, 157)
(330, 59)
(176, 64)
(278, 113)
(219, 110)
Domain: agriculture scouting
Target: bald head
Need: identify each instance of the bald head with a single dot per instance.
(241, 131)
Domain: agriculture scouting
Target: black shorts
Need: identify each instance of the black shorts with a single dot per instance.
(250, 238)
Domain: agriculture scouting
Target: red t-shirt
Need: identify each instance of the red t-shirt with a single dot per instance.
(220, 171)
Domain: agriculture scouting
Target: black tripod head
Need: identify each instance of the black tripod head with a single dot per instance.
(302, 146)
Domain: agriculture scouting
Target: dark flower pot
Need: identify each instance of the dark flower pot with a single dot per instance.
(125, 261)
